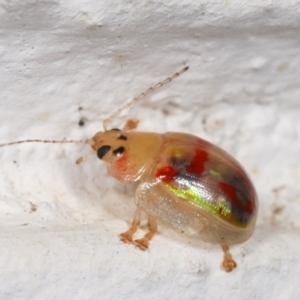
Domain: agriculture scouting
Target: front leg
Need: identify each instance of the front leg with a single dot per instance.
(143, 243)
(130, 124)
(126, 236)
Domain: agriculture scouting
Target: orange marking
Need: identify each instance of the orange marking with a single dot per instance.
(122, 163)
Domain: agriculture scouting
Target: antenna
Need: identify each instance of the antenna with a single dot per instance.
(142, 95)
(87, 141)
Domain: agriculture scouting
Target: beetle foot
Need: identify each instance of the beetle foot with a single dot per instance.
(130, 124)
(142, 244)
(228, 263)
(126, 237)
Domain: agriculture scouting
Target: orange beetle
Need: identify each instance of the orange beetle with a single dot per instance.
(184, 181)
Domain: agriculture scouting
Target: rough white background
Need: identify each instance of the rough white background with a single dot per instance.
(60, 221)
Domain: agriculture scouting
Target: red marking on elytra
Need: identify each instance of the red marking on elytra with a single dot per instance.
(166, 174)
(197, 164)
(230, 192)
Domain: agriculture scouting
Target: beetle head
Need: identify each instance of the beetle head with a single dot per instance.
(109, 145)
(128, 154)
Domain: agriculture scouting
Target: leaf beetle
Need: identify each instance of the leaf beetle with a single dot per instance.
(184, 181)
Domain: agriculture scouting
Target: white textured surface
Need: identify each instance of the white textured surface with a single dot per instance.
(241, 92)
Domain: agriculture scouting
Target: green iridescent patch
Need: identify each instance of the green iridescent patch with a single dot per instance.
(214, 173)
(191, 194)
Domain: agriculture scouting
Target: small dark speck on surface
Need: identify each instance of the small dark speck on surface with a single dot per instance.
(277, 210)
(33, 207)
(81, 122)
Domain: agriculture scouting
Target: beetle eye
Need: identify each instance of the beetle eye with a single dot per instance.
(103, 150)
(119, 151)
(122, 137)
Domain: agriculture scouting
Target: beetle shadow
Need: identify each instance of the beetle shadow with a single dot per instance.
(99, 197)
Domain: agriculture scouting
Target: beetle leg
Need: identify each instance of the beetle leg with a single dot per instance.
(126, 236)
(228, 263)
(130, 124)
(143, 243)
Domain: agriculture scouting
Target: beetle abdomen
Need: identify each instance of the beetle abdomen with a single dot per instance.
(203, 189)
(187, 217)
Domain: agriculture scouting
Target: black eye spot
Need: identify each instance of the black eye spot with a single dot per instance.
(119, 151)
(103, 150)
(122, 137)
(115, 129)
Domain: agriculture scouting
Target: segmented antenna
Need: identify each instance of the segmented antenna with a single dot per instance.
(90, 141)
(142, 95)
(87, 141)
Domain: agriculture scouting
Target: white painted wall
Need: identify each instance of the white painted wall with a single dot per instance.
(241, 92)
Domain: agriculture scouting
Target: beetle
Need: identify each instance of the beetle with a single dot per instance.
(184, 181)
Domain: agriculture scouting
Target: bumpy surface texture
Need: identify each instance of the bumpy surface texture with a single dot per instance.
(71, 63)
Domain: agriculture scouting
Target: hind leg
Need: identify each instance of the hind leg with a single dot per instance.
(228, 263)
